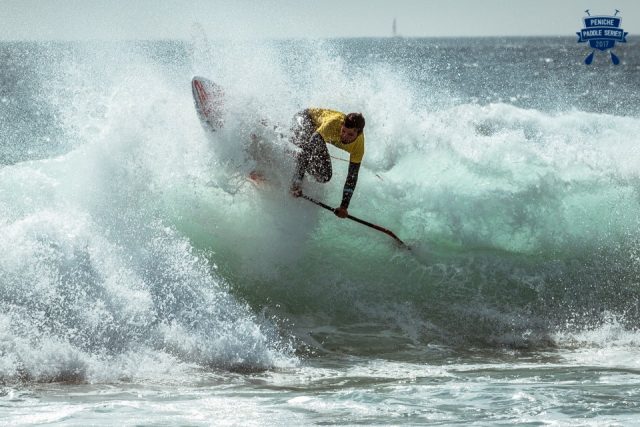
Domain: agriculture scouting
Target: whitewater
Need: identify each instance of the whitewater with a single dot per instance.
(145, 280)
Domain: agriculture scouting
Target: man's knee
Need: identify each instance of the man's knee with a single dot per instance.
(325, 176)
(301, 128)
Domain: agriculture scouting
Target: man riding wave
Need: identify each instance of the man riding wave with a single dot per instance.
(313, 129)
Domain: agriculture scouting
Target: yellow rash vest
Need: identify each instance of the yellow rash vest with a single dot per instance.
(328, 124)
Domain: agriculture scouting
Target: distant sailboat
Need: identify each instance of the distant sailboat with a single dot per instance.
(394, 30)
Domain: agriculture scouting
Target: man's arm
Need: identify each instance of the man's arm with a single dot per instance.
(349, 187)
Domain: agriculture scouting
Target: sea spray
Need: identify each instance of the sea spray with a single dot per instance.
(522, 215)
(92, 274)
(146, 278)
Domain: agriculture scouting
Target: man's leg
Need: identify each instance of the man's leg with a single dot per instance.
(301, 128)
(301, 131)
(319, 163)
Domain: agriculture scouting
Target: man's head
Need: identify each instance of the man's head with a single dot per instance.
(352, 127)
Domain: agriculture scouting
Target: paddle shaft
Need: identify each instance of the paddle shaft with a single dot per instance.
(361, 221)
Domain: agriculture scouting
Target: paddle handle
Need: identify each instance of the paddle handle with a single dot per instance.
(361, 221)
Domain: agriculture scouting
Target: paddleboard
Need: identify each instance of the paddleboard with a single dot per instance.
(267, 153)
(209, 102)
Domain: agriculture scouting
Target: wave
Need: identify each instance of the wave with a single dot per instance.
(96, 281)
(145, 244)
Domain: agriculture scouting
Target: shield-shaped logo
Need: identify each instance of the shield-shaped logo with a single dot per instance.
(602, 32)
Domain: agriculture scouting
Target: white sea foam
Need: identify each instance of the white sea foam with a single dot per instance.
(141, 243)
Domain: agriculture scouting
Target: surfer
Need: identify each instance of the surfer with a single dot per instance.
(312, 130)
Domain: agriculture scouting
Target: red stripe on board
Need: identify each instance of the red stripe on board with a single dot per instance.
(204, 98)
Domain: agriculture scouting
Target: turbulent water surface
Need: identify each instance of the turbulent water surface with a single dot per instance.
(145, 280)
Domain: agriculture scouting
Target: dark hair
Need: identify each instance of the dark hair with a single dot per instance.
(354, 121)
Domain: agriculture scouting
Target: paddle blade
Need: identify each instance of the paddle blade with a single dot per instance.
(614, 59)
(589, 59)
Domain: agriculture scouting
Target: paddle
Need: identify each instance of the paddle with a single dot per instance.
(361, 221)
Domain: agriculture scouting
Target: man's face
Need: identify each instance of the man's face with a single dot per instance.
(348, 135)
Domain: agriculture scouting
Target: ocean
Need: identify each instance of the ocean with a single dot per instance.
(144, 280)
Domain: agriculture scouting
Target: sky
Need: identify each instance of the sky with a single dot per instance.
(174, 19)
